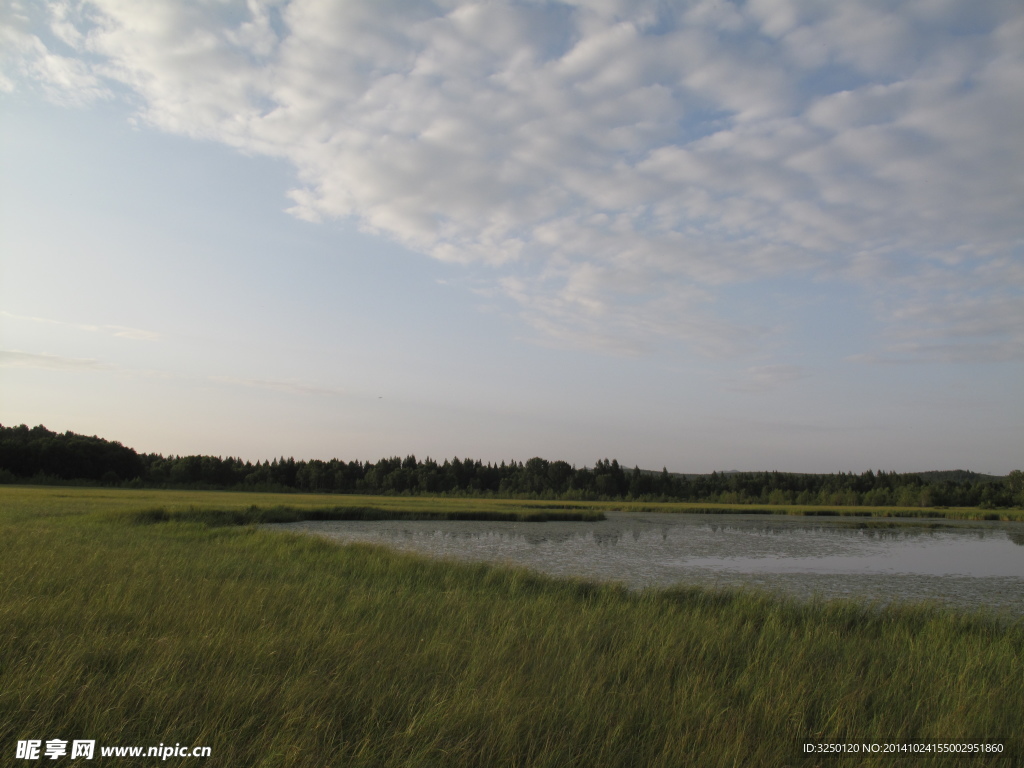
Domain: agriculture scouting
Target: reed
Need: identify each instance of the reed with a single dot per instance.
(254, 515)
(283, 650)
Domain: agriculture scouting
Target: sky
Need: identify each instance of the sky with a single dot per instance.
(763, 235)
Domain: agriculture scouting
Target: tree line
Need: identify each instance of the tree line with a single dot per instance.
(38, 455)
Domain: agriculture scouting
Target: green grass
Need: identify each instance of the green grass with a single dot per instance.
(282, 650)
(254, 515)
(41, 500)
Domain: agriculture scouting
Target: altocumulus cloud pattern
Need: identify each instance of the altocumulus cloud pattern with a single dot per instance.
(612, 167)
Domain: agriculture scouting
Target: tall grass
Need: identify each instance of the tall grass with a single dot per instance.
(254, 515)
(282, 650)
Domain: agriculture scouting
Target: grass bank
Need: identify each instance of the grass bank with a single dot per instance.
(61, 500)
(284, 650)
(254, 515)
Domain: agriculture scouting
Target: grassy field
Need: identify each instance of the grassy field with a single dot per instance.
(35, 501)
(281, 650)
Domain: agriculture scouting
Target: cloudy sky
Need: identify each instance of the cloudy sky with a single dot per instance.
(772, 234)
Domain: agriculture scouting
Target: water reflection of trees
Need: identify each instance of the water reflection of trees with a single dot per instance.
(789, 529)
(610, 535)
(881, 531)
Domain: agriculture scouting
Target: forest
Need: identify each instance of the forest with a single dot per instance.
(37, 455)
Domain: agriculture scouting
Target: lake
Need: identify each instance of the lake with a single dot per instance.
(966, 564)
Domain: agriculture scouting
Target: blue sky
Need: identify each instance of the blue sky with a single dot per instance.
(764, 235)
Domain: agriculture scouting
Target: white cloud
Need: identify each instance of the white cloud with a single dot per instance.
(65, 80)
(609, 163)
(971, 315)
(118, 331)
(289, 387)
(16, 359)
(761, 378)
(20, 359)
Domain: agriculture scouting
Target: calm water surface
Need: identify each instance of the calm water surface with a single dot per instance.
(966, 564)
